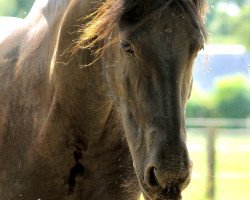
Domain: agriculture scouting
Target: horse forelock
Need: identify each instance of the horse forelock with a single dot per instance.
(102, 22)
(99, 25)
(196, 10)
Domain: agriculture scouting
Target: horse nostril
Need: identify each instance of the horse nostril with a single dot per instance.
(170, 182)
(152, 178)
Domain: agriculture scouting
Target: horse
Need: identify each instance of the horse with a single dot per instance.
(93, 96)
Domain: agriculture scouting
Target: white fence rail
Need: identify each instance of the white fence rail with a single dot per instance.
(218, 122)
(211, 127)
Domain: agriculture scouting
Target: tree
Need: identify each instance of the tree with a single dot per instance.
(222, 24)
(242, 28)
(232, 97)
(7, 8)
(229, 99)
(200, 104)
(17, 8)
(240, 3)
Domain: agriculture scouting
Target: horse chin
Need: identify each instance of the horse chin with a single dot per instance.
(162, 196)
(158, 194)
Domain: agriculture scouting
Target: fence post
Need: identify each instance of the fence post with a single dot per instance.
(211, 149)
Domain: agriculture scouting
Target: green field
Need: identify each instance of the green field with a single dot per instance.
(232, 167)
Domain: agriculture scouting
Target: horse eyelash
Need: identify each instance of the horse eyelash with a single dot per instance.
(127, 47)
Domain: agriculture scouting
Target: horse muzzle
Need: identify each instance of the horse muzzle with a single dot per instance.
(167, 172)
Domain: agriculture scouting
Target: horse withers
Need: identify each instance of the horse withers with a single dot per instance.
(92, 99)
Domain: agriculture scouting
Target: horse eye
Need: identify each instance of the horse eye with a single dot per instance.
(127, 47)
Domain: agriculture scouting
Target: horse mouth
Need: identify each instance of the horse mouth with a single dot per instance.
(171, 194)
(159, 193)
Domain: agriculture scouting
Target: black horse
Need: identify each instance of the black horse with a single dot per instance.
(93, 108)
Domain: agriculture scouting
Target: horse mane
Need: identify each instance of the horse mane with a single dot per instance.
(101, 23)
(99, 26)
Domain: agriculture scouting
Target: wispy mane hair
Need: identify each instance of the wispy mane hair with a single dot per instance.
(99, 26)
(102, 22)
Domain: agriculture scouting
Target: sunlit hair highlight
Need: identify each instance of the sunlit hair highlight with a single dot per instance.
(96, 34)
(100, 25)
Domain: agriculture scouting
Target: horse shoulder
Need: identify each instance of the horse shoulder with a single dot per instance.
(8, 53)
(10, 24)
(19, 54)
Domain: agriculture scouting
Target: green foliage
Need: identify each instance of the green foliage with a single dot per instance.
(227, 27)
(240, 3)
(7, 8)
(242, 27)
(230, 99)
(17, 8)
(199, 105)
(222, 24)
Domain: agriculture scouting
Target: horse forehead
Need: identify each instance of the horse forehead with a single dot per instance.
(146, 7)
(151, 2)
(166, 23)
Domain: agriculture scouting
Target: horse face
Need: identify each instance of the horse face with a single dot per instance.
(152, 83)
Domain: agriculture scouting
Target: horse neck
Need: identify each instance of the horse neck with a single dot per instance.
(52, 10)
(82, 91)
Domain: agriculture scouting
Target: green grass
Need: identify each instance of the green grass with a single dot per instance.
(232, 167)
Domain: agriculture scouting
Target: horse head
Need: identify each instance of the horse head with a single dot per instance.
(152, 80)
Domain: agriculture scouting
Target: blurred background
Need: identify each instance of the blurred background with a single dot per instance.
(218, 113)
